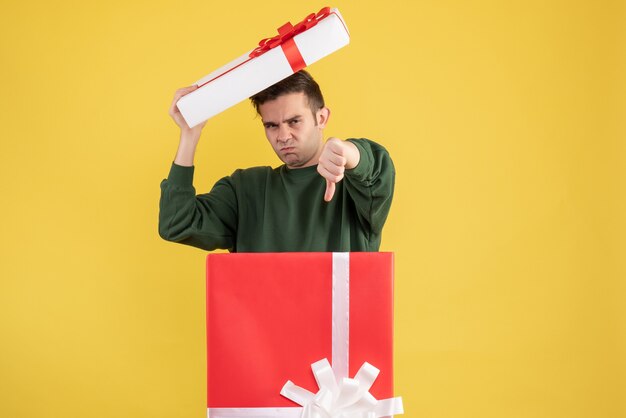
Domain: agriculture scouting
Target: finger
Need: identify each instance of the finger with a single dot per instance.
(336, 146)
(180, 93)
(183, 92)
(173, 107)
(337, 159)
(330, 191)
(334, 174)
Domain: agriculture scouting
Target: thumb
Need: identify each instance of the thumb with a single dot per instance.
(330, 191)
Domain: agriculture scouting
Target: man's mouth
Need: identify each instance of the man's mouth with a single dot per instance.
(287, 149)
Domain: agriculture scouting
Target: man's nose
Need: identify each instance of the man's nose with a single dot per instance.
(283, 132)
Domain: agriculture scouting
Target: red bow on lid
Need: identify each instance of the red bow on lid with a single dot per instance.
(285, 39)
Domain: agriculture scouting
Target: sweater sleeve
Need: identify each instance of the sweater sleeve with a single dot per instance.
(206, 221)
(371, 183)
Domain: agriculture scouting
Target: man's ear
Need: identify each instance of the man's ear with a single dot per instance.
(322, 116)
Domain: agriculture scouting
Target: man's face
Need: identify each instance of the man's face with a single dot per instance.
(292, 130)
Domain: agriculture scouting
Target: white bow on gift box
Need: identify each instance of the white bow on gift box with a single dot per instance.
(349, 398)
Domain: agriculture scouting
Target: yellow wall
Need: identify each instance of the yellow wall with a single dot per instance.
(506, 123)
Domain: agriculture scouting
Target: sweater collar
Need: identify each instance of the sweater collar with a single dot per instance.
(299, 173)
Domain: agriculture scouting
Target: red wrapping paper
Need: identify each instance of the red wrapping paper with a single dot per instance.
(269, 317)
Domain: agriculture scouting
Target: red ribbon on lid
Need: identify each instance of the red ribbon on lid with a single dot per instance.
(285, 39)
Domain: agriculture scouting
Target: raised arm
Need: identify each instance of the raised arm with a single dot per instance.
(189, 137)
(206, 221)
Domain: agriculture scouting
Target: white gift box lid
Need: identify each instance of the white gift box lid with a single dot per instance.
(246, 76)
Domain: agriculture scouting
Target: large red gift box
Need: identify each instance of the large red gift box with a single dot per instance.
(271, 315)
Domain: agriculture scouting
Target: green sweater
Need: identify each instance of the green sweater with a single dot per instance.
(261, 209)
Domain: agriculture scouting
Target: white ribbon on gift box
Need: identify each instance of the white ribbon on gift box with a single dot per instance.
(350, 398)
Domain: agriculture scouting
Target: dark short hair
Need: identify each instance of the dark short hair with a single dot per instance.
(300, 82)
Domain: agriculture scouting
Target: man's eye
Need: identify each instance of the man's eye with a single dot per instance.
(269, 125)
(293, 122)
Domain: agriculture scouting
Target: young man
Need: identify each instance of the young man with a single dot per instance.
(327, 196)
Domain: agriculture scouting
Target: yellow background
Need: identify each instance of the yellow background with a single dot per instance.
(506, 124)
